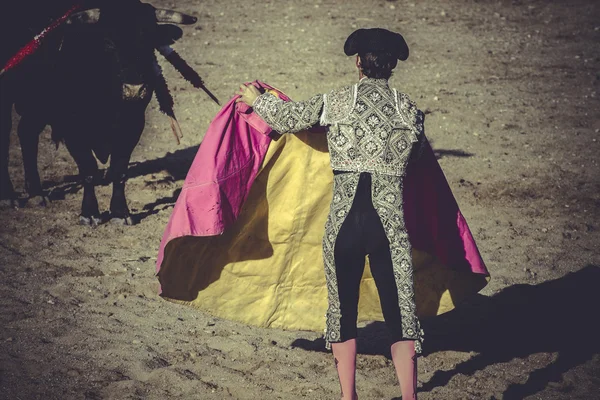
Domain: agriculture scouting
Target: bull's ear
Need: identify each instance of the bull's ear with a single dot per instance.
(90, 16)
(167, 34)
(174, 17)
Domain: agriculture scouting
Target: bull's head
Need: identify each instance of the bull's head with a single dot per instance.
(132, 33)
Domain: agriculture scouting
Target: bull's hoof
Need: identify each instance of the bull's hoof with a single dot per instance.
(92, 221)
(37, 201)
(121, 221)
(6, 204)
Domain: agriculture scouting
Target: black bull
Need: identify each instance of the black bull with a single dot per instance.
(91, 84)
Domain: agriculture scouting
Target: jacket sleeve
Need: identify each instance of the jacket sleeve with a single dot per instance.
(290, 116)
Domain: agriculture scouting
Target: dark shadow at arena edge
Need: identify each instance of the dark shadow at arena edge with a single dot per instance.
(550, 317)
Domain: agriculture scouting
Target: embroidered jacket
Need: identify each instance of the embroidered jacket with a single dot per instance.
(372, 127)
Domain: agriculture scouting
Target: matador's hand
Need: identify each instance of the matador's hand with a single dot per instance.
(248, 94)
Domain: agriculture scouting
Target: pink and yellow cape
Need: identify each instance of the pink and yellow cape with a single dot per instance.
(244, 239)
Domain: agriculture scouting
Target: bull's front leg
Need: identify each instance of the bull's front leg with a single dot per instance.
(8, 197)
(90, 213)
(29, 130)
(88, 170)
(131, 127)
(119, 211)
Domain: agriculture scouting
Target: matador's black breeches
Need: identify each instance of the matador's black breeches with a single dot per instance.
(362, 234)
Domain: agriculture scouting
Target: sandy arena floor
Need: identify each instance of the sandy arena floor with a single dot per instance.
(512, 95)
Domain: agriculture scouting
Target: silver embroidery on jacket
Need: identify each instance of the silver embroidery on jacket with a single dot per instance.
(291, 116)
(371, 129)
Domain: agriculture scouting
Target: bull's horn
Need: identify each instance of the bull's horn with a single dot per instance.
(174, 17)
(90, 16)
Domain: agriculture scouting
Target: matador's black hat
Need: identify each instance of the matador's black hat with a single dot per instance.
(376, 40)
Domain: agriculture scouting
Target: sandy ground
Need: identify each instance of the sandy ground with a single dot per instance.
(512, 95)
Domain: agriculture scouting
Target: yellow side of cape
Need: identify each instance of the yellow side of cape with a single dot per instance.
(267, 269)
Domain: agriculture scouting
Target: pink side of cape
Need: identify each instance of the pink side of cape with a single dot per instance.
(229, 160)
(221, 175)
